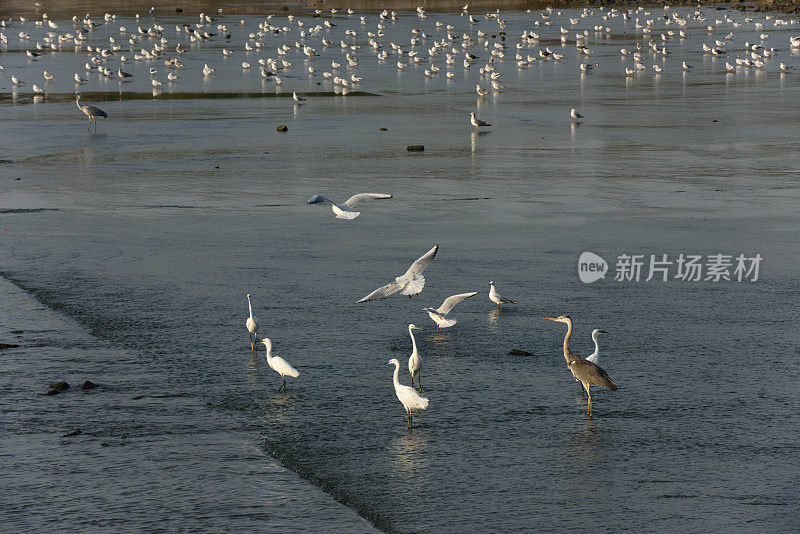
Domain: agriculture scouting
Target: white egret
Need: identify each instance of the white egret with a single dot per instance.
(414, 361)
(497, 298)
(586, 372)
(406, 394)
(439, 315)
(279, 365)
(252, 325)
(342, 211)
(410, 283)
(595, 356)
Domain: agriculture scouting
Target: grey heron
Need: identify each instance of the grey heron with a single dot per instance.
(90, 111)
(586, 372)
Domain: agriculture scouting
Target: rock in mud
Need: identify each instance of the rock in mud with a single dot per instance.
(88, 385)
(415, 148)
(60, 386)
(517, 352)
(283, 128)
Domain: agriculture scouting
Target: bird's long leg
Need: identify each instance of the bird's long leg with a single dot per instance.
(412, 380)
(284, 384)
(498, 305)
(589, 393)
(89, 128)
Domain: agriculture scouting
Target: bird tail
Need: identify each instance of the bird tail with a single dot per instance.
(610, 384)
(294, 373)
(423, 403)
(414, 286)
(342, 214)
(447, 323)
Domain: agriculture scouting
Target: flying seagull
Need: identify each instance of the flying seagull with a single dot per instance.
(342, 211)
(410, 283)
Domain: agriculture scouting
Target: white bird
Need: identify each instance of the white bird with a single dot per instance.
(595, 356)
(476, 122)
(439, 315)
(279, 365)
(17, 81)
(406, 394)
(410, 283)
(297, 99)
(207, 71)
(480, 90)
(252, 325)
(575, 115)
(414, 361)
(37, 89)
(497, 298)
(342, 211)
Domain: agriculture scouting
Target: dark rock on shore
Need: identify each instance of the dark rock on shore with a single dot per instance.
(517, 352)
(415, 148)
(88, 385)
(60, 386)
(73, 433)
(283, 128)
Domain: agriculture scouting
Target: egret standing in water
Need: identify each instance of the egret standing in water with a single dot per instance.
(583, 370)
(414, 361)
(252, 325)
(595, 356)
(406, 394)
(90, 111)
(279, 365)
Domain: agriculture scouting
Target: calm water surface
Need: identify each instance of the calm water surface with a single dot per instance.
(127, 255)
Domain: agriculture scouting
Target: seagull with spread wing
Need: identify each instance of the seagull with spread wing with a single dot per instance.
(410, 283)
(342, 211)
(439, 315)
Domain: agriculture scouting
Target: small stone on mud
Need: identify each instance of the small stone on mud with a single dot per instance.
(415, 148)
(60, 386)
(283, 128)
(517, 352)
(88, 385)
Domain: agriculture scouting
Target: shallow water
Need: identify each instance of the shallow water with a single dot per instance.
(142, 240)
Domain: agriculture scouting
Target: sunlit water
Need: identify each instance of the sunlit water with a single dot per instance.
(140, 242)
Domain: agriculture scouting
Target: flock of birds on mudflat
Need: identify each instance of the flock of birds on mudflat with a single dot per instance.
(479, 43)
(410, 283)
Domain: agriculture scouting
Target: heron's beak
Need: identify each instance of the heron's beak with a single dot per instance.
(388, 363)
(550, 318)
(604, 331)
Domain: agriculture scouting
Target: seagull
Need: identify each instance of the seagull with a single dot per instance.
(207, 71)
(17, 81)
(278, 364)
(476, 122)
(497, 298)
(575, 115)
(686, 66)
(439, 314)
(298, 100)
(342, 211)
(37, 89)
(122, 74)
(481, 91)
(410, 283)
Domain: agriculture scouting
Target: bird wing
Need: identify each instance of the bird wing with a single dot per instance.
(451, 301)
(284, 367)
(355, 199)
(421, 264)
(316, 199)
(383, 291)
(590, 373)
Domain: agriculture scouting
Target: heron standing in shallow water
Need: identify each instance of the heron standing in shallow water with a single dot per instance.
(90, 111)
(583, 370)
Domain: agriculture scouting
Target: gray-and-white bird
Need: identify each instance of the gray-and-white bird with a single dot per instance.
(90, 111)
(342, 211)
(439, 315)
(476, 122)
(575, 115)
(497, 298)
(410, 283)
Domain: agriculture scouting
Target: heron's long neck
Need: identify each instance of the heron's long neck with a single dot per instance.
(269, 352)
(567, 353)
(413, 342)
(250, 307)
(396, 375)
